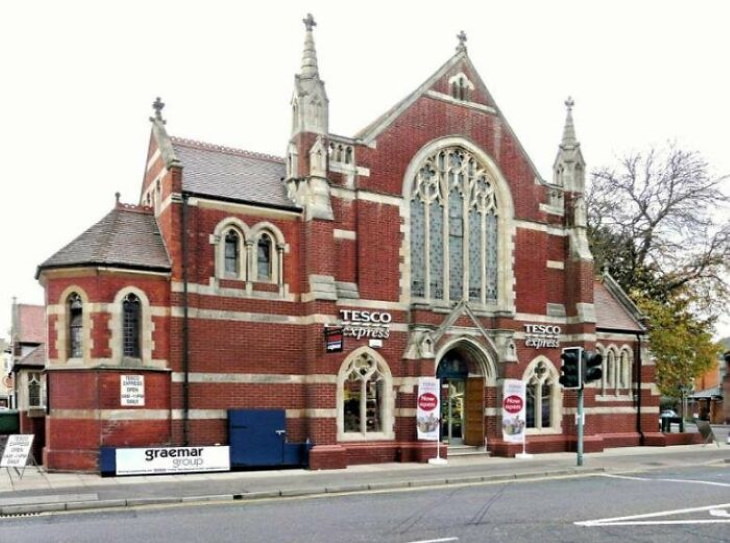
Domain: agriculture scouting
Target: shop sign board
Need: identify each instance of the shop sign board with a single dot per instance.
(540, 336)
(161, 460)
(366, 324)
(333, 338)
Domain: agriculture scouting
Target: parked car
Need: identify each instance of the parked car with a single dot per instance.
(671, 414)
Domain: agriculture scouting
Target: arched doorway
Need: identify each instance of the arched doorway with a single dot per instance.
(462, 399)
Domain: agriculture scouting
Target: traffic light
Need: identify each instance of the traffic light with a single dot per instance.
(570, 372)
(592, 362)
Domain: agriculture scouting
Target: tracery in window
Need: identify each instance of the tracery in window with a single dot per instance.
(35, 397)
(364, 395)
(454, 229)
(75, 325)
(539, 392)
(131, 325)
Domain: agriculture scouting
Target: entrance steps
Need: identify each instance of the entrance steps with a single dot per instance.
(460, 451)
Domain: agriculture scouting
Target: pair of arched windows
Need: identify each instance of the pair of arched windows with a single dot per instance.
(235, 257)
(131, 325)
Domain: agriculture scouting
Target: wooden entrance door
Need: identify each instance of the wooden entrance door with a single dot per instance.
(474, 412)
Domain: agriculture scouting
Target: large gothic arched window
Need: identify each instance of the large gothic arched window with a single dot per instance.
(454, 229)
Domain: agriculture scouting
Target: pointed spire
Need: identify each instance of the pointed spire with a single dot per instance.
(309, 58)
(461, 36)
(569, 139)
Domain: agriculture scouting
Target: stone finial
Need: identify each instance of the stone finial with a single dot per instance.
(309, 22)
(461, 36)
(158, 105)
(117, 196)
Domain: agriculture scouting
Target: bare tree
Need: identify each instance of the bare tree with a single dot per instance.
(661, 223)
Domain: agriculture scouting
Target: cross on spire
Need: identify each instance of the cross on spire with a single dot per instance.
(309, 22)
(461, 36)
(158, 105)
(569, 103)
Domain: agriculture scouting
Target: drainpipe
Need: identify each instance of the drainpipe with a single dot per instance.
(185, 335)
(638, 389)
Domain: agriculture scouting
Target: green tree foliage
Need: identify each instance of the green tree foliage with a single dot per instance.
(680, 342)
(660, 225)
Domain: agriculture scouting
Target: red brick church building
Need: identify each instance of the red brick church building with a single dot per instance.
(428, 240)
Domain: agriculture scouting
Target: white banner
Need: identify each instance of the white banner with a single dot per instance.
(513, 411)
(428, 408)
(172, 460)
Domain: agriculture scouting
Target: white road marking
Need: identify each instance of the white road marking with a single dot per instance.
(688, 481)
(719, 513)
(720, 510)
(437, 540)
(637, 519)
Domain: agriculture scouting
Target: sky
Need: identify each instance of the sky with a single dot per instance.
(79, 78)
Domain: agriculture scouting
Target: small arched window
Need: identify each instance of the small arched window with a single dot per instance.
(365, 399)
(131, 325)
(540, 397)
(264, 251)
(75, 326)
(232, 253)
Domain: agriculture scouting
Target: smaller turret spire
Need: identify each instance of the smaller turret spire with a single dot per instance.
(569, 139)
(309, 58)
(461, 36)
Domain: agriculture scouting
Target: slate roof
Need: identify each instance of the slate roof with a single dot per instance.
(127, 237)
(232, 174)
(613, 309)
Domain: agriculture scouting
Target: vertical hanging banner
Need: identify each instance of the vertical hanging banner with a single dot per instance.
(513, 411)
(428, 408)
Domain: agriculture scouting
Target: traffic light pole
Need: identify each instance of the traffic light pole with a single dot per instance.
(579, 422)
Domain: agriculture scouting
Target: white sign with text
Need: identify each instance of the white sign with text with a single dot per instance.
(132, 392)
(16, 451)
(159, 460)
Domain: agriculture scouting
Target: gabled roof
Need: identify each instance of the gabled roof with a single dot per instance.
(232, 174)
(458, 63)
(614, 309)
(127, 237)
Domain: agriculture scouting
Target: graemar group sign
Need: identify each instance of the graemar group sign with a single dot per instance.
(159, 460)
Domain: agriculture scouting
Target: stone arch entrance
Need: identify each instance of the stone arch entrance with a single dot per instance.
(461, 370)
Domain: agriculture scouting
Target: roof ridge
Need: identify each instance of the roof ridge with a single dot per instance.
(224, 149)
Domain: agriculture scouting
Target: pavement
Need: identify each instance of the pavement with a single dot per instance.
(35, 491)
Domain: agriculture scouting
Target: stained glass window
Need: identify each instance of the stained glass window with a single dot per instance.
(454, 229)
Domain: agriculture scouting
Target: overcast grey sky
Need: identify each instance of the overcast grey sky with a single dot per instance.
(79, 78)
